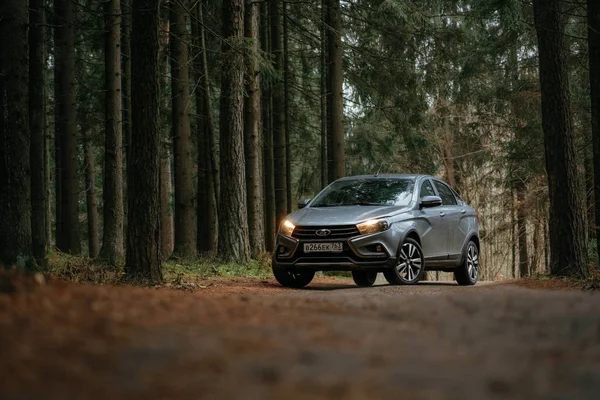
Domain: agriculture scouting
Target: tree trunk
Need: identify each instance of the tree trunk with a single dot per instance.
(58, 237)
(567, 230)
(233, 222)
(267, 109)
(167, 240)
(67, 125)
(15, 189)
(278, 109)
(185, 227)
(206, 229)
(112, 241)
(90, 194)
(335, 79)
(126, 86)
(143, 230)
(286, 109)
(593, 18)
(323, 99)
(37, 66)
(589, 193)
(522, 230)
(513, 235)
(252, 136)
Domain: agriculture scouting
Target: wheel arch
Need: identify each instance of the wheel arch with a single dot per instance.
(413, 235)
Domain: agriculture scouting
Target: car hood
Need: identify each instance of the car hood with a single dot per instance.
(342, 215)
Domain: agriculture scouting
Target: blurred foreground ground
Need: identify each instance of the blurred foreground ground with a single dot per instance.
(251, 339)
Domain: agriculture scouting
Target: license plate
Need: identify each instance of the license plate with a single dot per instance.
(333, 247)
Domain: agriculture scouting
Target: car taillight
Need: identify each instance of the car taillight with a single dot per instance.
(477, 215)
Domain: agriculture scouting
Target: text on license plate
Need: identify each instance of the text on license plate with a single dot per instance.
(323, 247)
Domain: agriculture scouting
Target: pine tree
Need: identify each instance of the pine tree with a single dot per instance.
(252, 135)
(112, 242)
(185, 234)
(15, 174)
(567, 228)
(143, 230)
(233, 222)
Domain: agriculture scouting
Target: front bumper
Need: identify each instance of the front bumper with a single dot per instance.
(364, 252)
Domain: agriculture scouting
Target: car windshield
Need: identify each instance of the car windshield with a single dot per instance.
(366, 192)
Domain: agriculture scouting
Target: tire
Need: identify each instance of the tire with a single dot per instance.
(409, 268)
(364, 278)
(293, 279)
(468, 272)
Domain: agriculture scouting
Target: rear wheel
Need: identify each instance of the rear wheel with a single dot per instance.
(364, 278)
(293, 279)
(409, 268)
(468, 272)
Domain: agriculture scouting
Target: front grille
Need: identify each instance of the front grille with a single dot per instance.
(337, 232)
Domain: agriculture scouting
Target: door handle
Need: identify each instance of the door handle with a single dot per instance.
(442, 214)
(463, 211)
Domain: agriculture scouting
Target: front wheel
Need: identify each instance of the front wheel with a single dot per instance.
(293, 279)
(409, 268)
(364, 278)
(468, 272)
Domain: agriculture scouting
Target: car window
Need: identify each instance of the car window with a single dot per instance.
(426, 189)
(445, 193)
(366, 192)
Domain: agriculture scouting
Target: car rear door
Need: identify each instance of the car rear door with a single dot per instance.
(434, 238)
(454, 212)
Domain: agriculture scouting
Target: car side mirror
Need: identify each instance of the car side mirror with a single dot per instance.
(303, 203)
(431, 201)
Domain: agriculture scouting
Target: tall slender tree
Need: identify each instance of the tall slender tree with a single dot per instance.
(252, 134)
(69, 240)
(143, 229)
(233, 222)
(167, 240)
(112, 242)
(278, 109)
(567, 226)
(323, 98)
(185, 233)
(267, 130)
(126, 75)
(90, 191)
(286, 106)
(15, 190)
(37, 74)
(593, 19)
(206, 194)
(335, 78)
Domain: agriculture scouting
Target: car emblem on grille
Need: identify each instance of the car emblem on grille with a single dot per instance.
(323, 232)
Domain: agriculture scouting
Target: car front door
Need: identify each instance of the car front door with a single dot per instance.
(434, 237)
(454, 213)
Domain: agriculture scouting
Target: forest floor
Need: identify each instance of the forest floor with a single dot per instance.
(248, 338)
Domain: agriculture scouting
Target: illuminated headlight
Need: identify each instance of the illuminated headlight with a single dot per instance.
(373, 226)
(287, 228)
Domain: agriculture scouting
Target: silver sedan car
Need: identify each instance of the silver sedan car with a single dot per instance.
(401, 225)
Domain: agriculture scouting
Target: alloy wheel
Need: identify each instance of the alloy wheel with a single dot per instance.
(472, 262)
(409, 262)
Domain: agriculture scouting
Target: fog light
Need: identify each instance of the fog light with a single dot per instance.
(379, 248)
(281, 249)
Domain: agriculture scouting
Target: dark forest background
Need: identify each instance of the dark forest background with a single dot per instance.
(135, 131)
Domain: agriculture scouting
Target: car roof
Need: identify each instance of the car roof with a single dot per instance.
(386, 176)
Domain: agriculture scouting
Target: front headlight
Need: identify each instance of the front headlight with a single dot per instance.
(373, 226)
(287, 228)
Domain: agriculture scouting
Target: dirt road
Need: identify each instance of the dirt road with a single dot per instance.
(254, 340)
